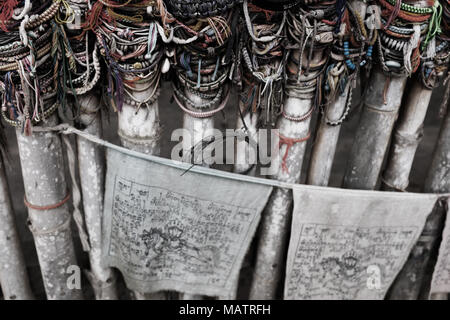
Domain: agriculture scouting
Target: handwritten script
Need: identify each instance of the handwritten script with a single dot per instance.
(178, 234)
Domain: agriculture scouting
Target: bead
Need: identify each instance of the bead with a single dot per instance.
(166, 66)
(393, 64)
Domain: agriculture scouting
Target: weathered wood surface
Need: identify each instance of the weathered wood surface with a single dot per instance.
(276, 217)
(139, 130)
(42, 162)
(411, 281)
(379, 113)
(13, 272)
(91, 164)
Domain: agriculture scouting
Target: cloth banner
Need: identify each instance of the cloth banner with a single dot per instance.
(168, 229)
(441, 274)
(349, 244)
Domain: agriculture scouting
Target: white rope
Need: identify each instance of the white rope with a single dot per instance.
(248, 23)
(67, 129)
(26, 9)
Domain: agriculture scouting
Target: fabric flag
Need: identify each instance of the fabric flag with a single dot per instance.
(168, 229)
(441, 274)
(349, 244)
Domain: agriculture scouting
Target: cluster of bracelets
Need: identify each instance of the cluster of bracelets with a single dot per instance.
(30, 62)
(352, 52)
(82, 76)
(52, 51)
(406, 31)
(310, 32)
(193, 9)
(435, 60)
(202, 53)
(127, 33)
(262, 61)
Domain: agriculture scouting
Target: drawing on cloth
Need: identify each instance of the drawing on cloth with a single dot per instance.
(331, 262)
(170, 240)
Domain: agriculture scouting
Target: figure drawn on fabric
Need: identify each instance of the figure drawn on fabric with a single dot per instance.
(170, 240)
(341, 271)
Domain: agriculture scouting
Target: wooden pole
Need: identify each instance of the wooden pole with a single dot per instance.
(139, 130)
(438, 181)
(380, 110)
(197, 130)
(410, 281)
(325, 143)
(277, 214)
(92, 170)
(46, 195)
(13, 272)
(407, 135)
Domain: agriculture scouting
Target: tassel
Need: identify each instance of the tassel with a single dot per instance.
(27, 127)
(434, 26)
(92, 21)
(408, 49)
(185, 60)
(119, 89)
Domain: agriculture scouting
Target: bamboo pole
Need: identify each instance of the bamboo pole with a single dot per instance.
(410, 281)
(92, 169)
(438, 181)
(139, 130)
(381, 106)
(197, 129)
(46, 191)
(277, 214)
(13, 272)
(325, 143)
(407, 135)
